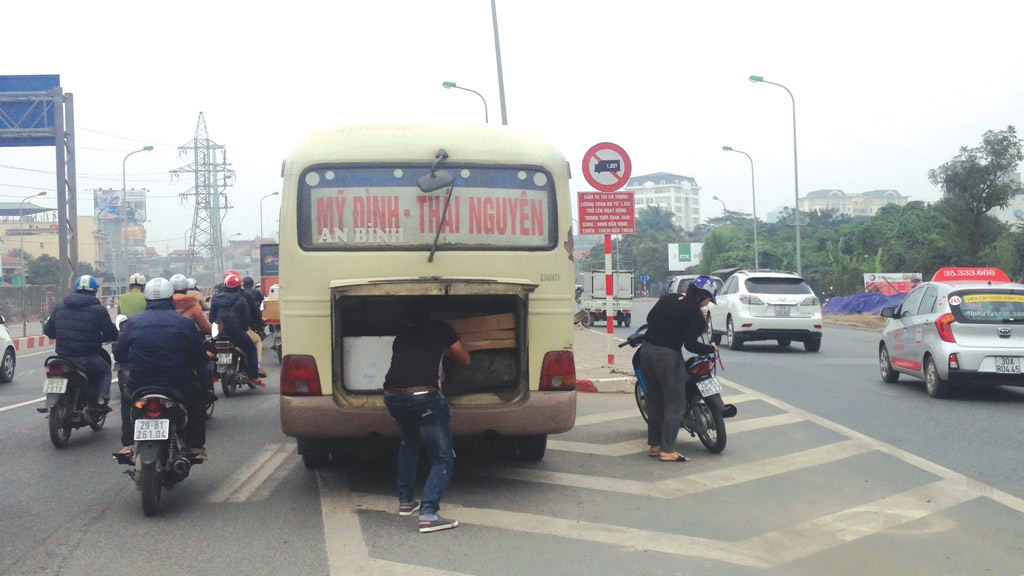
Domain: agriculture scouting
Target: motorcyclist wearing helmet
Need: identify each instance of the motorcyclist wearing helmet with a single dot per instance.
(186, 304)
(81, 325)
(231, 311)
(165, 351)
(674, 322)
(255, 328)
(133, 301)
(193, 289)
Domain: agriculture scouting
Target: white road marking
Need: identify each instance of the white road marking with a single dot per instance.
(251, 476)
(19, 405)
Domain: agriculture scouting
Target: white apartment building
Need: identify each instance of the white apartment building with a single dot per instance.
(851, 203)
(679, 195)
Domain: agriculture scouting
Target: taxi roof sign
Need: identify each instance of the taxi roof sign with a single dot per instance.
(955, 274)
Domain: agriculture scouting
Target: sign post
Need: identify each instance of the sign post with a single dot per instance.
(606, 167)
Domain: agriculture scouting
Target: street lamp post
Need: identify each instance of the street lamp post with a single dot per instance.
(447, 84)
(124, 192)
(21, 216)
(724, 209)
(796, 179)
(753, 195)
(261, 212)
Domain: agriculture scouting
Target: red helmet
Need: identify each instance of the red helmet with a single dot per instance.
(232, 281)
(235, 272)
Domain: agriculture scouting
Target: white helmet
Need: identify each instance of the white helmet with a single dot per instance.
(158, 289)
(136, 280)
(179, 282)
(119, 320)
(191, 283)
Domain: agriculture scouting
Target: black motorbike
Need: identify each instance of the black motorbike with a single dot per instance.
(71, 403)
(160, 457)
(229, 365)
(705, 412)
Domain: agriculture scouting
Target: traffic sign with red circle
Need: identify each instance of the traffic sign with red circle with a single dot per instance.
(606, 167)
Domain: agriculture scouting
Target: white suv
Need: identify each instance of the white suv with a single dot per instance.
(766, 305)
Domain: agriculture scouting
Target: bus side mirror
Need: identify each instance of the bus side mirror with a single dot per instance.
(435, 181)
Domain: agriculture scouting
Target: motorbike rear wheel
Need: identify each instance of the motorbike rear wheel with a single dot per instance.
(97, 424)
(228, 383)
(714, 437)
(60, 424)
(149, 486)
(641, 399)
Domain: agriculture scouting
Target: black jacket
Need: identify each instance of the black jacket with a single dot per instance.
(231, 309)
(675, 322)
(80, 325)
(162, 347)
(254, 298)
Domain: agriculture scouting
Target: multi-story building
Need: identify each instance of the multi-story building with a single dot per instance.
(679, 195)
(851, 203)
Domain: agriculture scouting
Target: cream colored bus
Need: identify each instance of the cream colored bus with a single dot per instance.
(476, 218)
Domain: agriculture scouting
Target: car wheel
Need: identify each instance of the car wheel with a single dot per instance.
(7, 366)
(812, 345)
(885, 366)
(735, 343)
(933, 383)
(784, 342)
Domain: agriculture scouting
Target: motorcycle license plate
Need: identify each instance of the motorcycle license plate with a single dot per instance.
(709, 387)
(55, 386)
(158, 429)
(223, 357)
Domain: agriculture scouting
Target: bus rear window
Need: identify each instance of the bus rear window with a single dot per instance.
(346, 207)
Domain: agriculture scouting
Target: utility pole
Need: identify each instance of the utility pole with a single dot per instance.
(211, 175)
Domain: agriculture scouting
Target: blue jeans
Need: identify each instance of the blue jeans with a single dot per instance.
(252, 365)
(98, 372)
(423, 418)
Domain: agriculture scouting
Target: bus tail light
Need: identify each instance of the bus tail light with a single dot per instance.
(943, 324)
(558, 372)
(299, 376)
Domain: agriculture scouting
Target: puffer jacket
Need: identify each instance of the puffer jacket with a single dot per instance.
(162, 347)
(80, 325)
(187, 306)
(231, 309)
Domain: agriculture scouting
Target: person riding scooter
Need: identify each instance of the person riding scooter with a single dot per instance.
(81, 325)
(231, 311)
(164, 350)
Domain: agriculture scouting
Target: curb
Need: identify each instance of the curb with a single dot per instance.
(32, 342)
(604, 385)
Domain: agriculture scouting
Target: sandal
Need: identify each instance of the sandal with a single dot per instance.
(679, 458)
(654, 452)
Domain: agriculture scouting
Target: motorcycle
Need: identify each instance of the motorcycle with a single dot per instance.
(160, 458)
(229, 364)
(70, 400)
(704, 412)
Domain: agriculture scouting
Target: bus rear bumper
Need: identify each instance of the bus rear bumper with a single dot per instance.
(539, 413)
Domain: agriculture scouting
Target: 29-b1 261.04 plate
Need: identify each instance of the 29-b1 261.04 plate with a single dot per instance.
(157, 429)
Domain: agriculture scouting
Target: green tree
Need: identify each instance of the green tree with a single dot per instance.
(979, 179)
(43, 270)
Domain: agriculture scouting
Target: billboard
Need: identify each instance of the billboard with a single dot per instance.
(890, 284)
(126, 205)
(682, 256)
(28, 121)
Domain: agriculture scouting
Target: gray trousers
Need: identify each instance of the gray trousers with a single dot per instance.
(665, 378)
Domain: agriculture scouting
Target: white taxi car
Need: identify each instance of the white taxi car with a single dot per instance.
(964, 326)
(8, 357)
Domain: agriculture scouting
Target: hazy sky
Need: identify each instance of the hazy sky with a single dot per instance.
(884, 91)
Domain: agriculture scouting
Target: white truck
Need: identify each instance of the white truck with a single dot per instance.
(594, 300)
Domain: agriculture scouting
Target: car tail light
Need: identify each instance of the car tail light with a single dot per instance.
(954, 362)
(943, 324)
(751, 300)
(811, 301)
(558, 372)
(299, 376)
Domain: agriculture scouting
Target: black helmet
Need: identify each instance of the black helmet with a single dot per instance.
(248, 282)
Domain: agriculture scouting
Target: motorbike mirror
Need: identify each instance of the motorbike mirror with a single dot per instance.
(2, 319)
(435, 181)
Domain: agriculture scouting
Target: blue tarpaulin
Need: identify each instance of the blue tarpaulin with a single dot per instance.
(861, 303)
